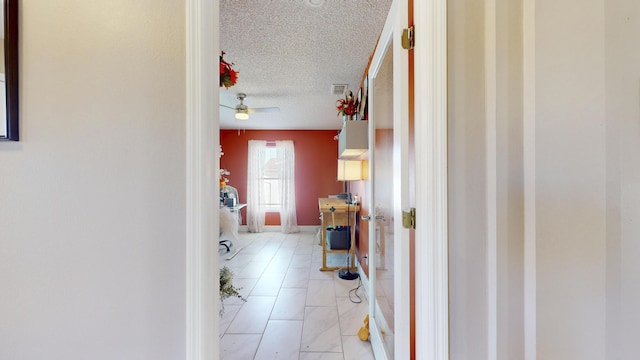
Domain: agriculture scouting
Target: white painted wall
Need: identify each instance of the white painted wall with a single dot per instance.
(570, 179)
(92, 200)
(588, 138)
(622, 70)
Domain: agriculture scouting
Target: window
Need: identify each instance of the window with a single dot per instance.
(271, 184)
(270, 178)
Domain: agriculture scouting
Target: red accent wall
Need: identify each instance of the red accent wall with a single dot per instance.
(316, 167)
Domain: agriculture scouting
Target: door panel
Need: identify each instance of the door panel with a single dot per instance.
(389, 254)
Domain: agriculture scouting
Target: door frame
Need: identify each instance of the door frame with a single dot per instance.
(202, 163)
(432, 239)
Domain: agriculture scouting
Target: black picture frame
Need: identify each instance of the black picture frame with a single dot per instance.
(364, 103)
(358, 103)
(10, 13)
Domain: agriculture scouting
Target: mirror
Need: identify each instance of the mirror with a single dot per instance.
(9, 71)
(383, 194)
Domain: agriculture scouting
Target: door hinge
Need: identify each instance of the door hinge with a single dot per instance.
(409, 219)
(408, 38)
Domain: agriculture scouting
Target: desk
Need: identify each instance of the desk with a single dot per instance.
(344, 214)
(237, 207)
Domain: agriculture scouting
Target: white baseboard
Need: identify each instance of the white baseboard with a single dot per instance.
(308, 228)
(276, 228)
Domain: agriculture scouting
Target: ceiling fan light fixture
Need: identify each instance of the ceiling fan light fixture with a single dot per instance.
(242, 111)
(242, 115)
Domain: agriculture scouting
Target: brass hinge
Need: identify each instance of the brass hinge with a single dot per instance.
(409, 218)
(408, 38)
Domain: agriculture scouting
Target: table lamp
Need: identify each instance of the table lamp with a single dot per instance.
(349, 170)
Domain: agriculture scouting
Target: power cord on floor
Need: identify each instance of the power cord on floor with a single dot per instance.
(354, 291)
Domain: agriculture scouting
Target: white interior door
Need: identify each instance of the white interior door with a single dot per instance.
(389, 285)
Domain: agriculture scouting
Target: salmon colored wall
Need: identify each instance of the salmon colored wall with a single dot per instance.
(316, 167)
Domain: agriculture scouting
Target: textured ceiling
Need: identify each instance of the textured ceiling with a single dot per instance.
(290, 52)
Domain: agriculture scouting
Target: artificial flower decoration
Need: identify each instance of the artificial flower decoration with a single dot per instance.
(347, 106)
(228, 76)
(222, 175)
(223, 179)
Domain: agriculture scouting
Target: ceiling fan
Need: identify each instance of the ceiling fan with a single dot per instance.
(243, 111)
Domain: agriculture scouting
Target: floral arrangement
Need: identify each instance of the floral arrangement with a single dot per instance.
(228, 76)
(224, 180)
(347, 106)
(227, 289)
(223, 172)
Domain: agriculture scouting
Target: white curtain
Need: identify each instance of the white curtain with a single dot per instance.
(288, 218)
(255, 212)
(259, 165)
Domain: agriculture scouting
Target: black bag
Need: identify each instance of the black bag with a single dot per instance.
(338, 237)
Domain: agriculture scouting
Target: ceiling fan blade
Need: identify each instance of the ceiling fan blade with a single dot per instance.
(264, 110)
(228, 107)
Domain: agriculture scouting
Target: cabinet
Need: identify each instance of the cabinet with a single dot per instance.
(344, 214)
(353, 140)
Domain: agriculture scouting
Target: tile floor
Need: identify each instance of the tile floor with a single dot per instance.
(293, 310)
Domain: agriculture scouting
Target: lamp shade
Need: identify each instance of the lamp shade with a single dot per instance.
(349, 170)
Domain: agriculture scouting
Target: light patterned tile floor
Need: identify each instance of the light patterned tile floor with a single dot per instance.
(293, 310)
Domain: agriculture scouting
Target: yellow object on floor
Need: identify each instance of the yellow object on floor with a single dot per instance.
(363, 333)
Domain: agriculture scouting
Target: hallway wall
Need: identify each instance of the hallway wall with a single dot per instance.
(622, 129)
(92, 199)
(570, 179)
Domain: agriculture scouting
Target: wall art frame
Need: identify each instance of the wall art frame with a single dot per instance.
(9, 116)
